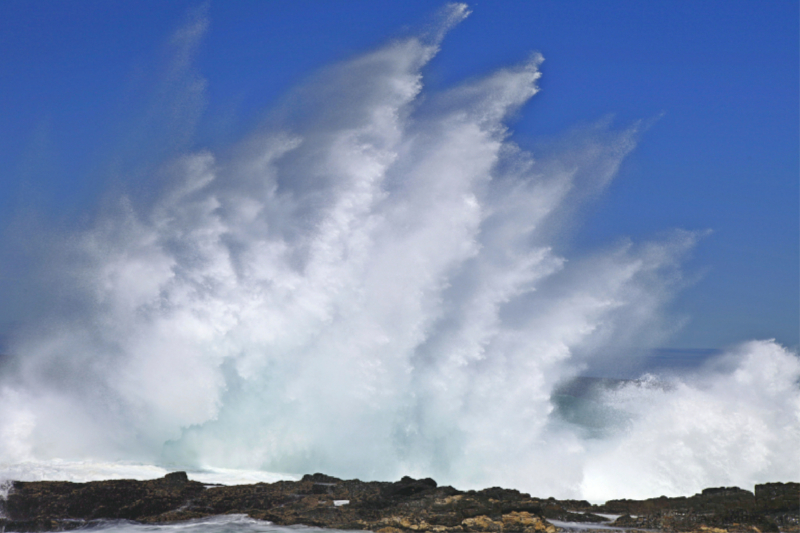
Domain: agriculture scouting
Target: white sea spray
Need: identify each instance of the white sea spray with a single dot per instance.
(378, 285)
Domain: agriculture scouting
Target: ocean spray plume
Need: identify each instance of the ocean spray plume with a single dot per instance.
(736, 422)
(375, 288)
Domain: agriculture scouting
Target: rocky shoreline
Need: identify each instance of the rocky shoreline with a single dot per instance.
(409, 505)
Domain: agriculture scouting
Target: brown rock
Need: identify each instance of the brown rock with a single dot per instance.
(481, 523)
(523, 521)
(405, 506)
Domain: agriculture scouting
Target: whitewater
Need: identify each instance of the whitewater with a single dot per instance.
(379, 282)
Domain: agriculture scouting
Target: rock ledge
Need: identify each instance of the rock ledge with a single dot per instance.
(408, 505)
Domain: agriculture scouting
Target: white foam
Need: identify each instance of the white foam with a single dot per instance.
(736, 422)
(585, 526)
(234, 522)
(77, 471)
(84, 471)
(377, 287)
(230, 476)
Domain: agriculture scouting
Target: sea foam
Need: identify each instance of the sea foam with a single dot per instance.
(377, 283)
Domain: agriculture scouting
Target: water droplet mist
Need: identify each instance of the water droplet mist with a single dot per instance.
(375, 286)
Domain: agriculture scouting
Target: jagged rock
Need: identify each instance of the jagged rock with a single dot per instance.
(625, 520)
(481, 523)
(405, 506)
(776, 508)
(525, 522)
(407, 487)
(777, 497)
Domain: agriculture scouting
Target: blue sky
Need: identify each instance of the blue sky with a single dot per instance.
(721, 78)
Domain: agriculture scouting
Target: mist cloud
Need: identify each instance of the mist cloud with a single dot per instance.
(373, 287)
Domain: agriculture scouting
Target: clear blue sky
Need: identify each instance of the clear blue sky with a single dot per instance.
(722, 75)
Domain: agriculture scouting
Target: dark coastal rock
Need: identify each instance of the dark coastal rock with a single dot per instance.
(774, 507)
(406, 506)
(48, 505)
(709, 501)
(316, 500)
(407, 487)
(778, 497)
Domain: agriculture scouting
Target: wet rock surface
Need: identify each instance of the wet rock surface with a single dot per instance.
(773, 507)
(409, 505)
